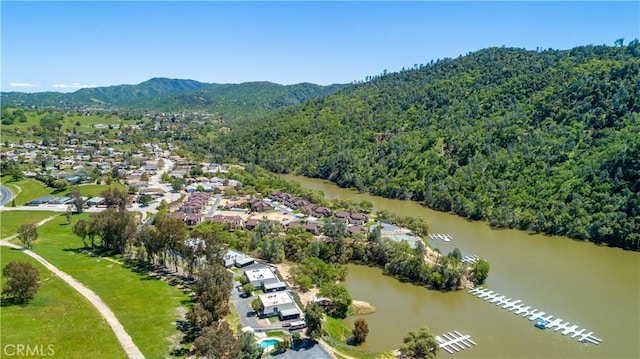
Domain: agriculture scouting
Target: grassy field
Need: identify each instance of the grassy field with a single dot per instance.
(146, 307)
(82, 123)
(339, 332)
(59, 316)
(32, 189)
(11, 220)
(69, 121)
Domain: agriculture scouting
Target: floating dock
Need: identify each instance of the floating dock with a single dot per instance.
(542, 321)
(454, 342)
(470, 259)
(440, 236)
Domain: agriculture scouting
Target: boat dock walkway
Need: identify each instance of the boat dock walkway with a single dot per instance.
(454, 341)
(470, 259)
(440, 236)
(543, 322)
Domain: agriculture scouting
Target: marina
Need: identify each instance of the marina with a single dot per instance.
(454, 342)
(440, 236)
(541, 322)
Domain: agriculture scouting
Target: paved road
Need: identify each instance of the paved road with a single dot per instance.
(6, 195)
(214, 206)
(121, 334)
(305, 349)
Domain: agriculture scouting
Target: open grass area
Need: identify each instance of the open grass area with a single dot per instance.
(233, 319)
(146, 307)
(278, 334)
(32, 189)
(336, 329)
(57, 315)
(93, 190)
(86, 121)
(11, 220)
(338, 332)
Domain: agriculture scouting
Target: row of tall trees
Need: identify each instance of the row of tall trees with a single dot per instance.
(165, 243)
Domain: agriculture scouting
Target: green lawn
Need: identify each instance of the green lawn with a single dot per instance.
(57, 315)
(93, 190)
(32, 189)
(147, 308)
(11, 220)
(340, 332)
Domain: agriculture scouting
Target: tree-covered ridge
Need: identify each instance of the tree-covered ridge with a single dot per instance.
(543, 141)
(229, 101)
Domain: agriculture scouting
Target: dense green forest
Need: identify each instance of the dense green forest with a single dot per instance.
(545, 141)
(228, 101)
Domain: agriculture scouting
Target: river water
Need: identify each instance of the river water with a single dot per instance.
(597, 288)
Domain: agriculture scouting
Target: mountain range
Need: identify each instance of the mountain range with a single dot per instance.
(244, 100)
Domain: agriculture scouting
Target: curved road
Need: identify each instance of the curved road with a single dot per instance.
(121, 334)
(6, 195)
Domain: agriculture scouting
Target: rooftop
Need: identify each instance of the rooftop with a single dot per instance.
(275, 298)
(260, 274)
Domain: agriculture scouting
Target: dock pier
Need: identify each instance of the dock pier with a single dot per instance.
(518, 308)
(454, 341)
(440, 236)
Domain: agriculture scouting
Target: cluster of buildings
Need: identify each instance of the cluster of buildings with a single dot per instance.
(276, 301)
(192, 210)
(297, 203)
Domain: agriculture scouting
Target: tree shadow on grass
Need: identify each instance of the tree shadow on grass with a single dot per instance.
(10, 301)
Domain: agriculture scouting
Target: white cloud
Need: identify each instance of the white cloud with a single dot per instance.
(74, 85)
(23, 84)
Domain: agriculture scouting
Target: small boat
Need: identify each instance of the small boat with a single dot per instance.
(541, 323)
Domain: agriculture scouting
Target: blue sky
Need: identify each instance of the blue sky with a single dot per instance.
(62, 46)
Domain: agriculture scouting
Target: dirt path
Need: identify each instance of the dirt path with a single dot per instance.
(121, 334)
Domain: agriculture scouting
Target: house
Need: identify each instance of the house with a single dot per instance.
(190, 219)
(313, 228)
(234, 222)
(258, 205)
(279, 304)
(261, 276)
(233, 258)
(251, 223)
(355, 229)
(274, 287)
(358, 218)
(289, 226)
(320, 212)
(342, 215)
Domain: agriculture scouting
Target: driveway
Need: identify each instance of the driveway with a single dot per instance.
(243, 305)
(304, 349)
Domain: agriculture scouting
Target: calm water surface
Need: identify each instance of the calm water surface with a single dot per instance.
(596, 288)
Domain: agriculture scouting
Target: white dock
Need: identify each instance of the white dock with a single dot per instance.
(440, 236)
(470, 259)
(517, 307)
(454, 342)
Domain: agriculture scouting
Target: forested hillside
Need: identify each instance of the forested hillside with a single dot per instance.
(544, 141)
(228, 101)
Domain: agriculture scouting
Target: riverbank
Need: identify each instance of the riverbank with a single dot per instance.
(551, 271)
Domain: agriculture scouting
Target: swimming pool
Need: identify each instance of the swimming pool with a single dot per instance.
(266, 343)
